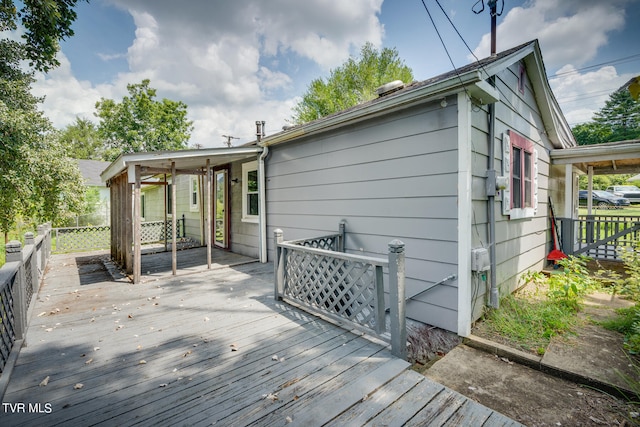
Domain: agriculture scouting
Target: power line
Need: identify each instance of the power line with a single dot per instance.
(623, 60)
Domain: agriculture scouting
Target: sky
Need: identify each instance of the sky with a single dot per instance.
(235, 62)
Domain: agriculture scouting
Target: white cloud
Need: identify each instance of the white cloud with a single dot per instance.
(581, 95)
(221, 58)
(569, 31)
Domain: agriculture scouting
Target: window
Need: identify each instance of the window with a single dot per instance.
(193, 199)
(169, 199)
(143, 205)
(250, 192)
(520, 165)
(521, 79)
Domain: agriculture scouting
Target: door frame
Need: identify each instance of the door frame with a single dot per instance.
(226, 243)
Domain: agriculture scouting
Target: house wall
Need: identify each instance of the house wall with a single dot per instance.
(244, 235)
(244, 238)
(391, 177)
(521, 244)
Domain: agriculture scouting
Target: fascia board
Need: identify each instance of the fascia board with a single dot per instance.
(450, 86)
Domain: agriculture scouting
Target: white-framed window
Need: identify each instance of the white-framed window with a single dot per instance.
(520, 166)
(193, 194)
(250, 198)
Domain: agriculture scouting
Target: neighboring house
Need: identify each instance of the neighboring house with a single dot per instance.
(91, 170)
(413, 165)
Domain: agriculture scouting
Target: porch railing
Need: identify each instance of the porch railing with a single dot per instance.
(316, 275)
(600, 236)
(19, 282)
(71, 239)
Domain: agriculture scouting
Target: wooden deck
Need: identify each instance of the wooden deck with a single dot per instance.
(204, 349)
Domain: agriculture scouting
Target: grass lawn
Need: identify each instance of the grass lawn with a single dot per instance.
(632, 210)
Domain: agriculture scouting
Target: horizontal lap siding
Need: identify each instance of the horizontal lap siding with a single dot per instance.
(388, 178)
(244, 235)
(521, 244)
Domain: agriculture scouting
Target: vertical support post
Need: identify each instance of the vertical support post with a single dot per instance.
(174, 222)
(29, 240)
(43, 255)
(567, 233)
(381, 317)
(13, 251)
(137, 227)
(209, 227)
(396, 299)
(278, 264)
(343, 234)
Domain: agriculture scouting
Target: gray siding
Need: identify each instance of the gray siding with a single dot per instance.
(244, 235)
(392, 177)
(521, 244)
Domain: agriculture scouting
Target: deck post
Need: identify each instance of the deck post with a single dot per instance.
(45, 248)
(137, 227)
(29, 240)
(278, 264)
(174, 222)
(209, 227)
(13, 251)
(396, 299)
(343, 234)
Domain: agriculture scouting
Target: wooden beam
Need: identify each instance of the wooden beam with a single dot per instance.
(174, 222)
(128, 224)
(209, 227)
(161, 171)
(137, 228)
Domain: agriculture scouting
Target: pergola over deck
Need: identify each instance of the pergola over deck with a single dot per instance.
(621, 157)
(129, 172)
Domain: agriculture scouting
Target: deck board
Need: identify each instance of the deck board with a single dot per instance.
(199, 349)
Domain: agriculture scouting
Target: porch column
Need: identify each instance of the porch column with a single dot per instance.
(137, 228)
(208, 228)
(174, 222)
(590, 190)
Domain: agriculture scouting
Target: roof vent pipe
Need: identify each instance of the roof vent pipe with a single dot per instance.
(260, 130)
(390, 88)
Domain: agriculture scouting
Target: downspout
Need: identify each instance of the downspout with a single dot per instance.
(262, 209)
(494, 300)
(262, 217)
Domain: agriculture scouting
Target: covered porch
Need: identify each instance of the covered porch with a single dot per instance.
(127, 176)
(596, 235)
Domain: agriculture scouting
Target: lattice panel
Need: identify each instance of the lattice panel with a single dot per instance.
(158, 231)
(344, 288)
(328, 243)
(83, 238)
(7, 329)
(28, 275)
(153, 231)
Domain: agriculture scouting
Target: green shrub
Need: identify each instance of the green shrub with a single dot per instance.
(570, 287)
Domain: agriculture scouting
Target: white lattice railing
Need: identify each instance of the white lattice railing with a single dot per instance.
(347, 288)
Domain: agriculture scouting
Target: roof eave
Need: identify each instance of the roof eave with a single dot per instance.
(401, 101)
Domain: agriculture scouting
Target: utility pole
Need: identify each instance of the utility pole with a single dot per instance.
(229, 138)
(493, 11)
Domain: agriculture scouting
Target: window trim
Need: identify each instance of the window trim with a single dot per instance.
(194, 191)
(513, 141)
(246, 169)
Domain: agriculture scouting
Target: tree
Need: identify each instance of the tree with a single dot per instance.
(37, 180)
(141, 123)
(618, 120)
(352, 83)
(46, 22)
(82, 141)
